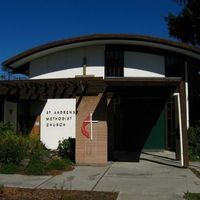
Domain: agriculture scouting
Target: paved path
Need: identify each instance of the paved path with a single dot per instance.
(156, 176)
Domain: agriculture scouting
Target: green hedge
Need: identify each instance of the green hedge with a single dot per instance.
(28, 154)
(13, 148)
(66, 149)
(194, 142)
(6, 128)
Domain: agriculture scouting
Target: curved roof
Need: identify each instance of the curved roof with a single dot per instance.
(31, 54)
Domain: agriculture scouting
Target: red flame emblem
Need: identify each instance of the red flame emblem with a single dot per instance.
(84, 124)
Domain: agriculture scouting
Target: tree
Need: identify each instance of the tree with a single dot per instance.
(6, 73)
(186, 26)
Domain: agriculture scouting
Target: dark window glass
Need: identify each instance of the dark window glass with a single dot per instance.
(174, 67)
(114, 62)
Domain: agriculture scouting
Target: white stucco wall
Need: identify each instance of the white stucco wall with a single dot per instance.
(58, 121)
(137, 64)
(68, 63)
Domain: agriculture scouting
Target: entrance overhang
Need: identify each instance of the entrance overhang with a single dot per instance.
(98, 84)
(150, 88)
(136, 81)
(42, 89)
(157, 87)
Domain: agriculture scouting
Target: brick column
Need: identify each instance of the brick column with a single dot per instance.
(92, 151)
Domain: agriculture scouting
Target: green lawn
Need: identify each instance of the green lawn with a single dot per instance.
(192, 196)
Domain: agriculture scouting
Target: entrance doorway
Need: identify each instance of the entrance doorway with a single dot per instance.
(135, 123)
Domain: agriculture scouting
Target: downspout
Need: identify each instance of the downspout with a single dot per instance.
(187, 94)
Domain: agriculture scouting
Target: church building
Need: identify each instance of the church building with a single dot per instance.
(116, 95)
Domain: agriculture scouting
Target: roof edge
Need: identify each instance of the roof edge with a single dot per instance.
(93, 37)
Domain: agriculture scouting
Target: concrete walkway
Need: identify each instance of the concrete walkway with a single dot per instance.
(156, 176)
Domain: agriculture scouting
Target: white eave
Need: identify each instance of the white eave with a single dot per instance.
(51, 50)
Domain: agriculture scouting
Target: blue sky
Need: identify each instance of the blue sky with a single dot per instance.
(28, 23)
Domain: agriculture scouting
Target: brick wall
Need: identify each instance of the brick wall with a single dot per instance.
(35, 130)
(92, 151)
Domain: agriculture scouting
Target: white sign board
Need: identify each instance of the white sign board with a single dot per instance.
(58, 121)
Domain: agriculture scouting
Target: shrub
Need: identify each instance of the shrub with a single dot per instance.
(13, 148)
(8, 169)
(37, 154)
(37, 150)
(36, 167)
(59, 164)
(66, 148)
(6, 128)
(194, 142)
(192, 196)
(1, 189)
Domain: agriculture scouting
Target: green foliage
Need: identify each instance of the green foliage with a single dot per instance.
(29, 154)
(192, 196)
(37, 154)
(37, 150)
(59, 164)
(66, 148)
(6, 128)
(13, 148)
(186, 26)
(8, 169)
(36, 167)
(1, 189)
(194, 143)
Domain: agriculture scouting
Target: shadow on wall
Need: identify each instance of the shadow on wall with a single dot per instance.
(29, 116)
(100, 111)
(130, 122)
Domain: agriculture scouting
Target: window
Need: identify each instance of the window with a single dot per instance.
(114, 62)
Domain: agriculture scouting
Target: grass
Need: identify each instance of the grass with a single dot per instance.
(8, 169)
(192, 196)
(59, 164)
(46, 194)
(39, 167)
